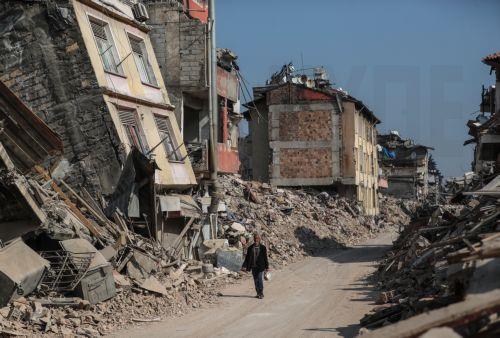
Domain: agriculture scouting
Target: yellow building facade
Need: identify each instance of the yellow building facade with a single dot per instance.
(128, 73)
(359, 162)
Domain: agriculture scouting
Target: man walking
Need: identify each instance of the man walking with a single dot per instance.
(256, 261)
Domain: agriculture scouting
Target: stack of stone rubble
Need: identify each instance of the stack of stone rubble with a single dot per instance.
(297, 222)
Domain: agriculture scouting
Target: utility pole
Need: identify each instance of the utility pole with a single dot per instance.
(214, 107)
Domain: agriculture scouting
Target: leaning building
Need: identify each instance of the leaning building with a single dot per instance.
(88, 69)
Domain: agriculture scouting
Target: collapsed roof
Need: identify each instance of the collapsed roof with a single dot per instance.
(26, 138)
(401, 150)
(25, 141)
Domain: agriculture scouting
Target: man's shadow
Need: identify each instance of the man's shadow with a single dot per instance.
(235, 296)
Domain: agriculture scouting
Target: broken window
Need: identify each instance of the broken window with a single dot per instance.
(106, 47)
(165, 131)
(141, 60)
(130, 123)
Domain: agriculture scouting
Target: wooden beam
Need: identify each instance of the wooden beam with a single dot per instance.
(461, 313)
(103, 221)
(5, 158)
(93, 230)
(178, 240)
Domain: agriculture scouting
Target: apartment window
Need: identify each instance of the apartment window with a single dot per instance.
(130, 123)
(165, 131)
(142, 61)
(361, 159)
(106, 47)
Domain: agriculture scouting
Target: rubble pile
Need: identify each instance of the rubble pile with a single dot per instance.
(86, 275)
(97, 275)
(296, 222)
(74, 316)
(447, 260)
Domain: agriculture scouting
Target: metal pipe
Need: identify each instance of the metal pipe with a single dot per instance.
(214, 107)
(212, 57)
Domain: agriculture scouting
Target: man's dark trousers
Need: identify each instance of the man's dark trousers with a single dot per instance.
(258, 278)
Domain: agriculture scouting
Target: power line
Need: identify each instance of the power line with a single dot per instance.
(243, 81)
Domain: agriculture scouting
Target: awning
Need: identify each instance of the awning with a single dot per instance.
(179, 206)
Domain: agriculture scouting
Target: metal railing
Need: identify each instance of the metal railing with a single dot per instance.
(66, 269)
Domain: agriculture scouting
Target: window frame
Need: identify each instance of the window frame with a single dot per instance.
(115, 56)
(150, 76)
(139, 135)
(175, 152)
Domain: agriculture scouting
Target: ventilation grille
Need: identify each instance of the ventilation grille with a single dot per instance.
(162, 124)
(127, 117)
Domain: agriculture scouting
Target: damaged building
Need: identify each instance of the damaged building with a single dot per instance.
(88, 69)
(485, 128)
(25, 141)
(179, 36)
(304, 132)
(404, 167)
(37, 219)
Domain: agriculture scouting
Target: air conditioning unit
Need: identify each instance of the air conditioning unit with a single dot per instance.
(140, 12)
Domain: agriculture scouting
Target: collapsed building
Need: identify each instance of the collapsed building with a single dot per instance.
(304, 132)
(485, 128)
(59, 252)
(41, 230)
(179, 30)
(25, 141)
(88, 69)
(404, 167)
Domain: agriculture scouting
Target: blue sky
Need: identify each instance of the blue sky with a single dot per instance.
(416, 64)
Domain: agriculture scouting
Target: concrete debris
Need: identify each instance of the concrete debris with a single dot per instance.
(212, 245)
(17, 279)
(439, 271)
(152, 284)
(298, 222)
(238, 227)
(120, 280)
(231, 259)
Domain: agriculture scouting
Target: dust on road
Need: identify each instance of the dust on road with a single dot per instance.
(317, 297)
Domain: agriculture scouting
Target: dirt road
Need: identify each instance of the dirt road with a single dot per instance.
(322, 296)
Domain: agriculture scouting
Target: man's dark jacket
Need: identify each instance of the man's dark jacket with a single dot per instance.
(261, 264)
